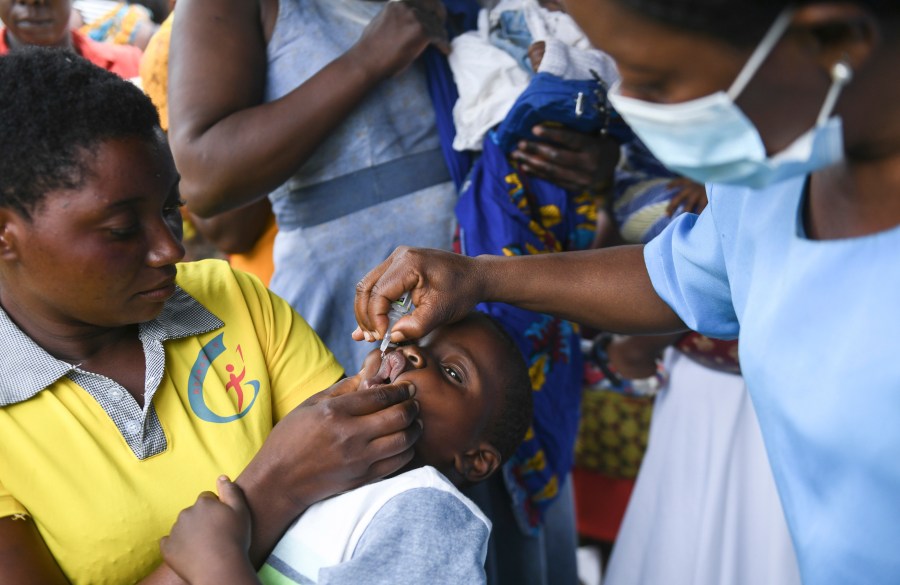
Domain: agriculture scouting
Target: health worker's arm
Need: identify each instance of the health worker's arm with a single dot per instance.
(607, 289)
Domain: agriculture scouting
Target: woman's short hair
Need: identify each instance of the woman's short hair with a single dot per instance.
(54, 107)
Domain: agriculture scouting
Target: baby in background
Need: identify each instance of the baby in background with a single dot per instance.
(474, 394)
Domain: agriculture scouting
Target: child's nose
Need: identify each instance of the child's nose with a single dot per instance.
(414, 356)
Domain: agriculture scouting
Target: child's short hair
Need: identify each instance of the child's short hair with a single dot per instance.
(512, 420)
(55, 106)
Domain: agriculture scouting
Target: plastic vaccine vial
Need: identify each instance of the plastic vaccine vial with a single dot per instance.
(399, 308)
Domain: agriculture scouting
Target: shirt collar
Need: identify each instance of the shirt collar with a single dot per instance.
(26, 368)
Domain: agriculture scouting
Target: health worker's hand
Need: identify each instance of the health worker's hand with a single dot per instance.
(445, 287)
(573, 160)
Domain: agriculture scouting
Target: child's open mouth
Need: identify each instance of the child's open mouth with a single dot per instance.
(393, 364)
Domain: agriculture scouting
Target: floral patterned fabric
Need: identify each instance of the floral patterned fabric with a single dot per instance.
(502, 211)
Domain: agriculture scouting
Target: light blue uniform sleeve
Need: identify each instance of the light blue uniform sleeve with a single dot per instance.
(687, 267)
(423, 535)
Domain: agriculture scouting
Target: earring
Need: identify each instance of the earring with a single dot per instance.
(841, 72)
(841, 75)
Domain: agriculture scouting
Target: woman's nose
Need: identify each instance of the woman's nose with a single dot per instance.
(414, 356)
(165, 245)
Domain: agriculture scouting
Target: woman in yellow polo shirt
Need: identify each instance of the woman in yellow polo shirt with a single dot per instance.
(128, 382)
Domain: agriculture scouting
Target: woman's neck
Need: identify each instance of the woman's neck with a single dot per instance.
(862, 195)
(63, 43)
(853, 199)
(75, 343)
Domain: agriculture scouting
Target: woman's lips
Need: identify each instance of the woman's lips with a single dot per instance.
(161, 293)
(35, 22)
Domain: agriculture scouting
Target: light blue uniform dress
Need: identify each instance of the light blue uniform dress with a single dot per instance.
(377, 182)
(819, 324)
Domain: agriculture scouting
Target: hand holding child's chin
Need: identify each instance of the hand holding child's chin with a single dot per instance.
(369, 372)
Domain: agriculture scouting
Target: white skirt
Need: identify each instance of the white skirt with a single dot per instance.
(704, 510)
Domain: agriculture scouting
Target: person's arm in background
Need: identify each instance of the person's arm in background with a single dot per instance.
(230, 147)
(235, 231)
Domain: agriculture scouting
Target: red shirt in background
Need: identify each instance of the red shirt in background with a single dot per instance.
(122, 60)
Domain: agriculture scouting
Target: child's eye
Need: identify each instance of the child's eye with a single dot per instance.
(453, 374)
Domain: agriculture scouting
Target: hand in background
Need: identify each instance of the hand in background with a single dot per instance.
(536, 54)
(573, 160)
(209, 542)
(635, 357)
(691, 196)
(400, 33)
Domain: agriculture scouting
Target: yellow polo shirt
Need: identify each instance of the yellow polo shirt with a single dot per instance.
(103, 478)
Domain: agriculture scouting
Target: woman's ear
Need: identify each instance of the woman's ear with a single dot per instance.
(8, 222)
(479, 463)
(841, 31)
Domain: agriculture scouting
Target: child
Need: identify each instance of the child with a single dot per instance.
(416, 527)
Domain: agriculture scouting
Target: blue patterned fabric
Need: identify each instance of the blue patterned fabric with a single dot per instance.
(444, 94)
(504, 212)
(462, 16)
(641, 194)
(549, 98)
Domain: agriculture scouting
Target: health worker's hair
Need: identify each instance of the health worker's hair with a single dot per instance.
(739, 22)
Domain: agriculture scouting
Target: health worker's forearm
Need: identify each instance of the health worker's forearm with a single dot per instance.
(607, 289)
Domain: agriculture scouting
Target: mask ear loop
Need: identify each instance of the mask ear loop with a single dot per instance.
(765, 46)
(841, 75)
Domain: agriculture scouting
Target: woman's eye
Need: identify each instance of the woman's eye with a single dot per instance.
(453, 374)
(650, 91)
(173, 207)
(123, 232)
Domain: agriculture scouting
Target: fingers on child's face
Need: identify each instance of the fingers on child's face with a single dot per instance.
(370, 367)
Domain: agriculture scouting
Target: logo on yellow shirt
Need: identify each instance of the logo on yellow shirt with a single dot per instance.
(205, 357)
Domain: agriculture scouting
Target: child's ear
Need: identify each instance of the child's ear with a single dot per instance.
(478, 463)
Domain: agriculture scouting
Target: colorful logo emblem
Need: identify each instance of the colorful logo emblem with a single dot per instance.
(236, 383)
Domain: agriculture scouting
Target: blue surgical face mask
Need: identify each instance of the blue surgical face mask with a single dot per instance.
(710, 140)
